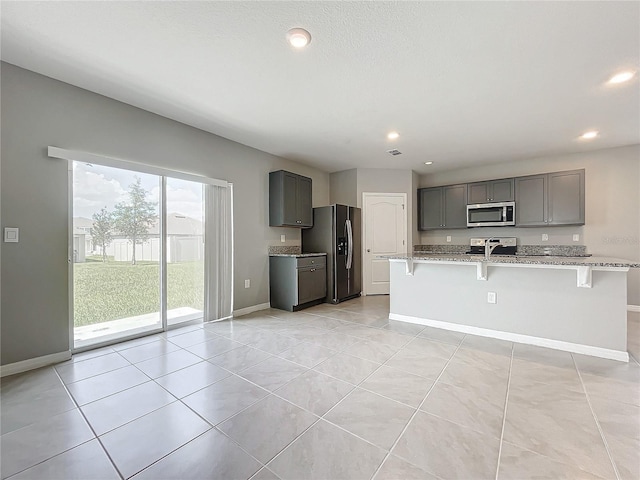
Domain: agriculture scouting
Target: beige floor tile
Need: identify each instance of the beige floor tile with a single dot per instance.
(211, 348)
(519, 464)
(165, 364)
(267, 427)
(315, 391)
(100, 386)
(486, 344)
(142, 442)
(191, 379)
(559, 424)
(398, 385)
(116, 410)
(225, 398)
(239, 358)
(207, 456)
(265, 474)
(148, 350)
(373, 351)
(395, 468)
(19, 412)
(40, 441)
(273, 373)
(84, 462)
(467, 407)
(327, 452)
(95, 366)
(347, 368)
(448, 450)
(371, 417)
(307, 354)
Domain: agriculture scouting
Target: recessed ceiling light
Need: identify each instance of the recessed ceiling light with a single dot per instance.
(589, 135)
(298, 37)
(428, 163)
(393, 135)
(622, 77)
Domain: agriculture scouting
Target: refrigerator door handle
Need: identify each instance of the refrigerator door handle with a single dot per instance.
(349, 244)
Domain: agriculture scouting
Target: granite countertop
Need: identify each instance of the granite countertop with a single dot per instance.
(520, 259)
(297, 255)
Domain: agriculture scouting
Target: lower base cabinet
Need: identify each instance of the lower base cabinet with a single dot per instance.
(297, 282)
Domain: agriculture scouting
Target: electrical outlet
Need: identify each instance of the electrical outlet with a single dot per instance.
(576, 237)
(283, 238)
(545, 237)
(492, 297)
(247, 283)
(448, 238)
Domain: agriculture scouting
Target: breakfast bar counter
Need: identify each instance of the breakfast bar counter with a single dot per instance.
(576, 304)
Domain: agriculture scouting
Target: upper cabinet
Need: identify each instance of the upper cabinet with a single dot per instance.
(550, 199)
(491, 191)
(289, 200)
(442, 207)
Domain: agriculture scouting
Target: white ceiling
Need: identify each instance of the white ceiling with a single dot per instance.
(465, 83)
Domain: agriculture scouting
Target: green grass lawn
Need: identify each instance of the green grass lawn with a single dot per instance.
(115, 290)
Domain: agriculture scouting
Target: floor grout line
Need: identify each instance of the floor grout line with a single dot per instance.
(504, 413)
(91, 428)
(416, 413)
(595, 418)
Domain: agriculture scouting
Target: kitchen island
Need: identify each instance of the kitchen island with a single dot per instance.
(576, 304)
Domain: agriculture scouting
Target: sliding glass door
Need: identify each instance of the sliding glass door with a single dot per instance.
(138, 249)
(185, 251)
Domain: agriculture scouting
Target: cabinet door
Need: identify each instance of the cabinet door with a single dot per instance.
(304, 205)
(289, 199)
(501, 190)
(429, 208)
(478, 192)
(455, 206)
(312, 284)
(566, 198)
(531, 200)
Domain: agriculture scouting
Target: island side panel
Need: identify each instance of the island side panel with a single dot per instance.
(538, 302)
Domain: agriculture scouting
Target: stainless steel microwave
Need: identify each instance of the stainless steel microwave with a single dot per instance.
(500, 214)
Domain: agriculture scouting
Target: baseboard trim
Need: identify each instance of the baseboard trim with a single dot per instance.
(633, 308)
(251, 309)
(518, 338)
(33, 363)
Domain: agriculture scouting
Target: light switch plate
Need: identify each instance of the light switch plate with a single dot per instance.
(448, 238)
(545, 237)
(283, 238)
(576, 237)
(11, 234)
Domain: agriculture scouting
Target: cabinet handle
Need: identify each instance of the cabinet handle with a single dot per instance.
(312, 270)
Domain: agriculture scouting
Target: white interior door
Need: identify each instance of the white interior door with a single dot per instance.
(385, 233)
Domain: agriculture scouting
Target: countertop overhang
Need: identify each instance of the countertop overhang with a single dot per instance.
(297, 255)
(582, 265)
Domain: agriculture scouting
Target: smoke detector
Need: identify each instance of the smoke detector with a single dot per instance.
(394, 152)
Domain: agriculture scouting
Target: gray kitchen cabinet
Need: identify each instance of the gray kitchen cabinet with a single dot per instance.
(491, 191)
(290, 200)
(550, 199)
(442, 207)
(297, 282)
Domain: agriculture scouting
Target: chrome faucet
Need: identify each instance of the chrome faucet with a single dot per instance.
(489, 246)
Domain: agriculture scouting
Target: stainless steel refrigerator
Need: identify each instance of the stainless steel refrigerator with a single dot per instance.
(337, 231)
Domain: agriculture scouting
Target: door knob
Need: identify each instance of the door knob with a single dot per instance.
(368, 250)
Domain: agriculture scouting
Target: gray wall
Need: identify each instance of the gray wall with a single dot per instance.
(529, 301)
(343, 187)
(612, 189)
(37, 112)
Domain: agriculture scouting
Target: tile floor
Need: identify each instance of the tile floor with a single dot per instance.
(334, 392)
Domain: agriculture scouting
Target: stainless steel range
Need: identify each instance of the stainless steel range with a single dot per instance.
(499, 245)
